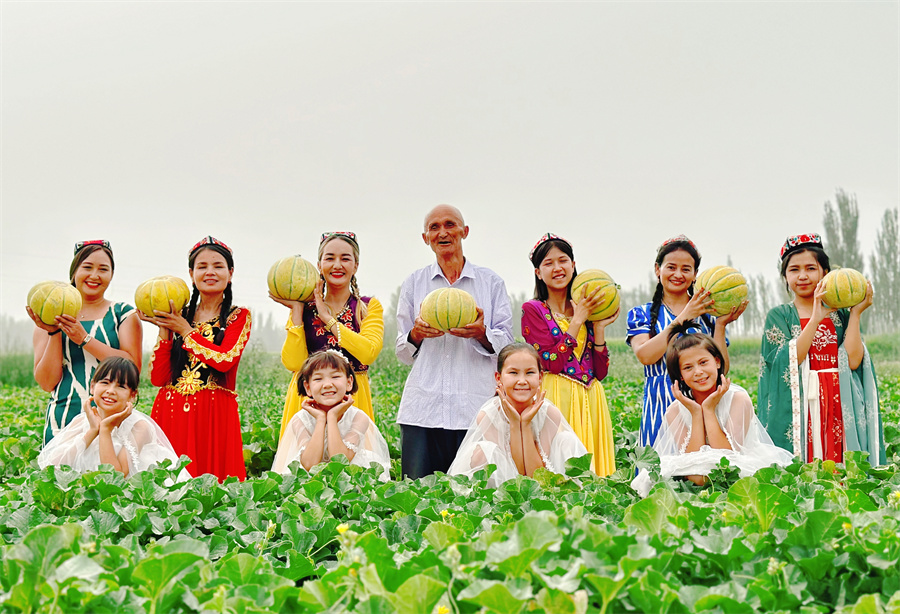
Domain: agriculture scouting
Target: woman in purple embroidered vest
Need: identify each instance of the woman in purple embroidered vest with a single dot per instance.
(337, 318)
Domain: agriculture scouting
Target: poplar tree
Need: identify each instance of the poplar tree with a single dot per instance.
(841, 222)
(885, 266)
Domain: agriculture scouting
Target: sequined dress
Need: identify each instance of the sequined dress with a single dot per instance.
(199, 413)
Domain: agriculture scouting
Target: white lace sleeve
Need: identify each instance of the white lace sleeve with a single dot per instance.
(486, 443)
(557, 442)
(360, 435)
(293, 442)
(146, 444)
(67, 447)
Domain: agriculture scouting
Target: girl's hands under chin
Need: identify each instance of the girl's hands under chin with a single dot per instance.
(337, 412)
(692, 405)
(710, 403)
(313, 408)
(113, 420)
(532, 410)
(511, 414)
(91, 413)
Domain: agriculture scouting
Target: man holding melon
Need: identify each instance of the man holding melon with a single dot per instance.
(451, 346)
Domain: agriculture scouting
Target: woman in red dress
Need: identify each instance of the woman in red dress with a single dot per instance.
(195, 364)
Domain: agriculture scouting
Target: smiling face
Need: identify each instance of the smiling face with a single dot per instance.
(556, 269)
(520, 379)
(110, 396)
(338, 263)
(210, 274)
(677, 272)
(328, 386)
(699, 369)
(803, 273)
(445, 231)
(93, 275)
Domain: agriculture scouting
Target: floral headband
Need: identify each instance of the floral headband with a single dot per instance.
(797, 241)
(340, 234)
(209, 240)
(678, 239)
(547, 237)
(80, 245)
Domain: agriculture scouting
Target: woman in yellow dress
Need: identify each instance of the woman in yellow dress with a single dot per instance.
(337, 318)
(573, 351)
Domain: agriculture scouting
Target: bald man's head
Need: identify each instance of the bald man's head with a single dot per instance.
(445, 231)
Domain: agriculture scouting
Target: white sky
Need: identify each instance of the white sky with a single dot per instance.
(616, 125)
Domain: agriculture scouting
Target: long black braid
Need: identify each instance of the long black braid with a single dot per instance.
(179, 355)
(666, 249)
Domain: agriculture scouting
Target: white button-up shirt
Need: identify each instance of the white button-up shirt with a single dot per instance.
(451, 377)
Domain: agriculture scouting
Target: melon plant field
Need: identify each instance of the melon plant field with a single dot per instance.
(808, 538)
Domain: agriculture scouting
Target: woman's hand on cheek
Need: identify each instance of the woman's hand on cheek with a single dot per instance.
(532, 410)
(692, 405)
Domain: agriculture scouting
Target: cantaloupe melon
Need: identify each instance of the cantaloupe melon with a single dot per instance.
(155, 294)
(447, 308)
(586, 281)
(49, 299)
(844, 288)
(726, 286)
(293, 278)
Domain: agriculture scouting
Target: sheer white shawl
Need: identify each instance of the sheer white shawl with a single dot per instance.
(145, 442)
(358, 433)
(487, 442)
(751, 447)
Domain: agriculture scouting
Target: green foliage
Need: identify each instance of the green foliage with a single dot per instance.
(814, 538)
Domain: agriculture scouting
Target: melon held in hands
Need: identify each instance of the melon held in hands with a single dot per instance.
(293, 278)
(447, 308)
(155, 294)
(49, 299)
(586, 282)
(844, 288)
(726, 286)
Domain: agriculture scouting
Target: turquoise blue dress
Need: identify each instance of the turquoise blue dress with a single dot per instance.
(657, 385)
(78, 368)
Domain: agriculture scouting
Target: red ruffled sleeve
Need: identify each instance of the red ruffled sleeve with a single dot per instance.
(222, 357)
(161, 363)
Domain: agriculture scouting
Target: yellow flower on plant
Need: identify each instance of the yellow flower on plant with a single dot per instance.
(847, 526)
(443, 609)
(444, 514)
(343, 528)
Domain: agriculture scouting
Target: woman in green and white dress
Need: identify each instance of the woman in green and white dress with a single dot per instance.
(67, 352)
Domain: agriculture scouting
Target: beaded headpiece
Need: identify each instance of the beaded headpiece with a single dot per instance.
(797, 241)
(544, 238)
(340, 234)
(209, 240)
(80, 245)
(679, 239)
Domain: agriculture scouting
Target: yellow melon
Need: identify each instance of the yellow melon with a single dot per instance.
(844, 288)
(293, 278)
(726, 286)
(586, 281)
(49, 299)
(155, 294)
(447, 308)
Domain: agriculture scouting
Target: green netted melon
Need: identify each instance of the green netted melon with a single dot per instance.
(844, 288)
(49, 299)
(155, 294)
(447, 308)
(726, 286)
(293, 278)
(586, 282)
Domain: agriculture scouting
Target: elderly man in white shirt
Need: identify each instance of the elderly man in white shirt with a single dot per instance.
(452, 374)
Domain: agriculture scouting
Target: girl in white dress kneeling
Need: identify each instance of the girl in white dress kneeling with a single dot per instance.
(109, 430)
(710, 419)
(517, 430)
(328, 424)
